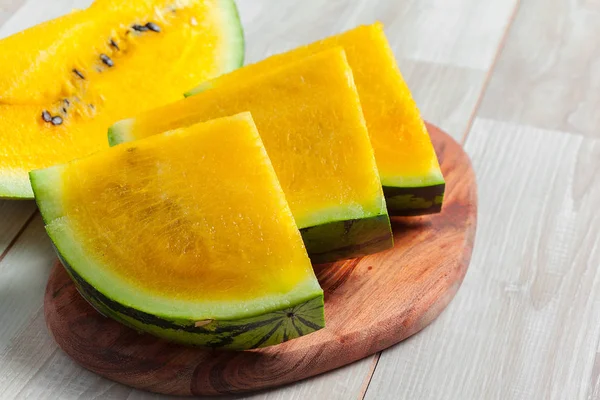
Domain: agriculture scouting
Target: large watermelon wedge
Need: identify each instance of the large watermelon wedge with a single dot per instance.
(186, 235)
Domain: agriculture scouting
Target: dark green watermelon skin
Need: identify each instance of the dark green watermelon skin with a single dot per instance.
(411, 201)
(353, 238)
(259, 331)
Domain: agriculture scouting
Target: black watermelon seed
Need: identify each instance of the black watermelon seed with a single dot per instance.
(57, 120)
(46, 116)
(79, 74)
(153, 27)
(139, 28)
(64, 110)
(107, 60)
(114, 44)
(67, 102)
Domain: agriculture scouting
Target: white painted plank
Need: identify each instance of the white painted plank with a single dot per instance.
(526, 322)
(549, 73)
(594, 386)
(39, 370)
(462, 33)
(34, 367)
(8, 8)
(23, 275)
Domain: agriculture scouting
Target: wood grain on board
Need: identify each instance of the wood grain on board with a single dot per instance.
(371, 303)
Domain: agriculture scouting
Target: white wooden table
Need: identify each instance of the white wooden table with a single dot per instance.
(519, 84)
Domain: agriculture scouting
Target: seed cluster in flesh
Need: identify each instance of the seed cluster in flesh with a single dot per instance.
(107, 61)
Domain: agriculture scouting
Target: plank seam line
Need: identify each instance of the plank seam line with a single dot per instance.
(365, 387)
(18, 235)
(490, 72)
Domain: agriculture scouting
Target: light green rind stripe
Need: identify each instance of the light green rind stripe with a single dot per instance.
(199, 89)
(47, 184)
(120, 132)
(434, 177)
(342, 212)
(240, 334)
(235, 31)
(15, 186)
(237, 42)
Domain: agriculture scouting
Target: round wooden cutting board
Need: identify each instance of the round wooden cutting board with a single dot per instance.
(371, 303)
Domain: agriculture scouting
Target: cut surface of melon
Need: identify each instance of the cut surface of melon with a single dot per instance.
(309, 117)
(405, 156)
(93, 67)
(191, 225)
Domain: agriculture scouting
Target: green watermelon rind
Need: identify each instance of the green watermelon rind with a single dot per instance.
(414, 201)
(249, 324)
(352, 238)
(236, 36)
(201, 87)
(252, 332)
(120, 132)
